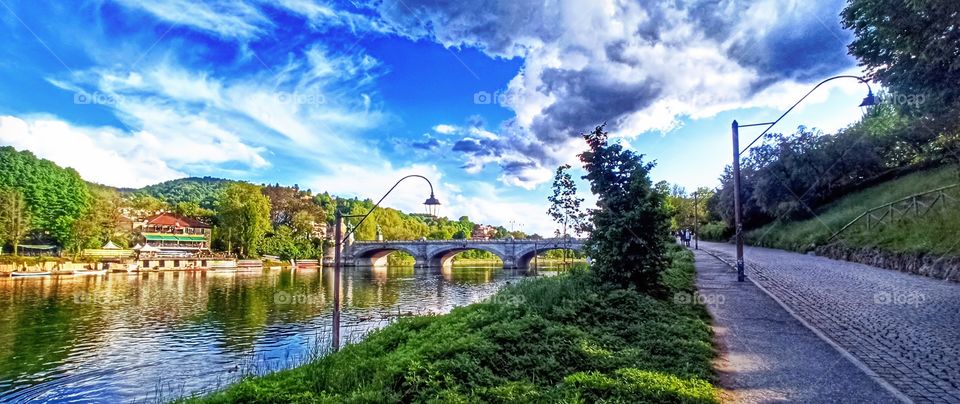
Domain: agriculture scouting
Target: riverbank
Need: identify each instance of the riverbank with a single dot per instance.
(562, 338)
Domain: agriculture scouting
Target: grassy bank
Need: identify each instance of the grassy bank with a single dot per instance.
(937, 232)
(564, 338)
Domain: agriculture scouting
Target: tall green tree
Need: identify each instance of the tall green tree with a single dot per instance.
(564, 204)
(243, 218)
(14, 218)
(630, 226)
(56, 197)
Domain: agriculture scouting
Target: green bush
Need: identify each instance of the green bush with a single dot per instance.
(716, 231)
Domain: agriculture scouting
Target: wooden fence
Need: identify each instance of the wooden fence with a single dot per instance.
(913, 205)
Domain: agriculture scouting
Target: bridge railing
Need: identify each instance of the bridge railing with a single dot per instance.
(479, 241)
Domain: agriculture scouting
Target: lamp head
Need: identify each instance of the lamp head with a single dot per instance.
(869, 100)
(432, 205)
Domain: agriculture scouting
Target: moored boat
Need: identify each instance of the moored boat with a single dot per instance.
(90, 272)
(24, 273)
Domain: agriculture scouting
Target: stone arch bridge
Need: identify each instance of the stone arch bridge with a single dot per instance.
(439, 253)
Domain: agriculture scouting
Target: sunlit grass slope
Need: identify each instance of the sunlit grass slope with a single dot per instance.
(937, 232)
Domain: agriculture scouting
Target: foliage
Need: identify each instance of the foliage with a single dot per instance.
(55, 197)
(284, 242)
(568, 338)
(911, 47)
(205, 191)
(936, 232)
(100, 223)
(715, 231)
(687, 211)
(564, 203)
(631, 223)
(14, 218)
(243, 217)
(789, 177)
(292, 207)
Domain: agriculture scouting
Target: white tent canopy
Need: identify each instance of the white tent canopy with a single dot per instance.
(149, 248)
(110, 246)
(137, 247)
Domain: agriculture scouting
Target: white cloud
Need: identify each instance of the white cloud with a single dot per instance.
(637, 66)
(445, 129)
(102, 155)
(225, 18)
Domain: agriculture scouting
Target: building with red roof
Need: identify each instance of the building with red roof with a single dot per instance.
(173, 233)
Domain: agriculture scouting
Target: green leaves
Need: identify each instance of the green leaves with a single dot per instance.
(631, 223)
(55, 197)
(244, 217)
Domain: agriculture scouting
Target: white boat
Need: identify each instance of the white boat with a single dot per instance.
(44, 273)
(90, 272)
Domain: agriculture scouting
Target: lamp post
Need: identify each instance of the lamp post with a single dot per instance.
(868, 101)
(431, 205)
(696, 222)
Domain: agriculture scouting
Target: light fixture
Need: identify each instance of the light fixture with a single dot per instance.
(869, 100)
(432, 205)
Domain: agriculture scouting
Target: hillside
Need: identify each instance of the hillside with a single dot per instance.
(202, 190)
(937, 232)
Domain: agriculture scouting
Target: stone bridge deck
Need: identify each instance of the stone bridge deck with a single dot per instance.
(438, 253)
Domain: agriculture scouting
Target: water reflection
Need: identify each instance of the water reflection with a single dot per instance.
(164, 334)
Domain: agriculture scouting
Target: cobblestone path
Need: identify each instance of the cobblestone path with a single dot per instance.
(905, 328)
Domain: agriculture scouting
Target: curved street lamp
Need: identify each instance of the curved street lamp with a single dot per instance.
(432, 206)
(868, 101)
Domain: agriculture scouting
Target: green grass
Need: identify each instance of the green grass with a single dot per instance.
(570, 339)
(938, 232)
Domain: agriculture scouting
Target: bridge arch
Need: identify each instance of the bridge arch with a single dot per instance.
(443, 257)
(377, 255)
(526, 255)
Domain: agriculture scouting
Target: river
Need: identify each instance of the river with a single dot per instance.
(161, 335)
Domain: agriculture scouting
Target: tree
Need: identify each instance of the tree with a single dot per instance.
(14, 218)
(243, 217)
(910, 47)
(99, 223)
(55, 197)
(564, 203)
(565, 206)
(630, 225)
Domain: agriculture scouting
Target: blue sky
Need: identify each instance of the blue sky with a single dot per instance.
(486, 98)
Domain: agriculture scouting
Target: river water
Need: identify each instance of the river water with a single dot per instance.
(161, 335)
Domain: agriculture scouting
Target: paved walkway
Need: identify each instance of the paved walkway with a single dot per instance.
(767, 355)
(903, 328)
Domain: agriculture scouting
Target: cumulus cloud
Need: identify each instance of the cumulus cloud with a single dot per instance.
(103, 155)
(637, 66)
